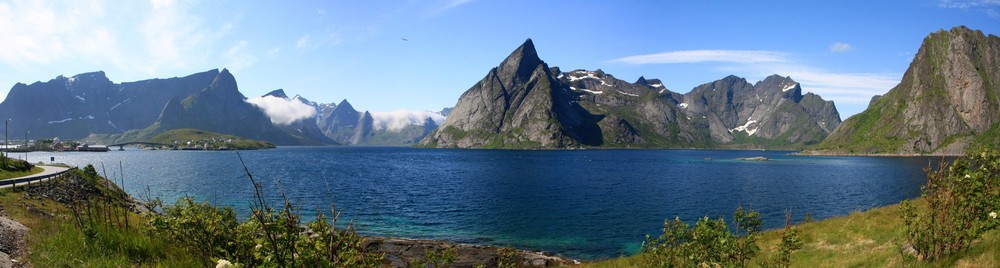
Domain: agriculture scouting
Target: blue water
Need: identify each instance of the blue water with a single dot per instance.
(581, 204)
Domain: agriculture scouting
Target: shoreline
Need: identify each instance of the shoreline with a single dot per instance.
(819, 153)
(399, 251)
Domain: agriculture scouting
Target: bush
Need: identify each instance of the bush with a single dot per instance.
(963, 200)
(709, 242)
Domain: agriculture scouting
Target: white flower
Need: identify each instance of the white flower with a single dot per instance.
(223, 264)
(258, 246)
(967, 176)
(993, 214)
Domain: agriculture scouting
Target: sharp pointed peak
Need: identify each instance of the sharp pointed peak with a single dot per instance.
(279, 93)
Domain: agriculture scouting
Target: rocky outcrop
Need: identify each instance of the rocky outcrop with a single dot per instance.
(399, 252)
(948, 95)
(12, 240)
(525, 104)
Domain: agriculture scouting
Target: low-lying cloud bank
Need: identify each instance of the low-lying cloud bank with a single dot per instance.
(283, 111)
(399, 119)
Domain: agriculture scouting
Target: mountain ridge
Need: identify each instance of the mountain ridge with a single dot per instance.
(523, 103)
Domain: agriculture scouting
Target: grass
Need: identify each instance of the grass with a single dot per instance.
(862, 239)
(56, 241)
(4, 174)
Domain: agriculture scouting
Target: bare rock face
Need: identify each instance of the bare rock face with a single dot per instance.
(948, 92)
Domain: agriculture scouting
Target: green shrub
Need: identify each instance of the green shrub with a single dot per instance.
(435, 258)
(963, 200)
(708, 242)
(507, 257)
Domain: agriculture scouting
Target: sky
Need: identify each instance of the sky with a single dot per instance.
(421, 55)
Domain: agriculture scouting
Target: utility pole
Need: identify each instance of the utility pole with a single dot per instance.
(6, 144)
(26, 146)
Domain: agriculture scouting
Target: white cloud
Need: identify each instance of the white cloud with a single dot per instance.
(399, 119)
(283, 111)
(303, 42)
(977, 5)
(696, 56)
(452, 4)
(139, 38)
(965, 4)
(840, 47)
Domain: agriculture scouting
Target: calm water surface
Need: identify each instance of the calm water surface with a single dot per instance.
(580, 204)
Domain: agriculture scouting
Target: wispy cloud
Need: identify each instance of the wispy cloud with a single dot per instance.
(450, 4)
(849, 90)
(963, 4)
(696, 56)
(303, 42)
(839, 47)
(160, 35)
(987, 6)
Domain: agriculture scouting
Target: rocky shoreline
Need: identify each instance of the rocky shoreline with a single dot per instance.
(399, 251)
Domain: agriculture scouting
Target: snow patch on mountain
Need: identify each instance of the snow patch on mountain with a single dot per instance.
(60, 121)
(283, 111)
(399, 119)
(789, 87)
(746, 127)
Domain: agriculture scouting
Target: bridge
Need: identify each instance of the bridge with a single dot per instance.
(149, 144)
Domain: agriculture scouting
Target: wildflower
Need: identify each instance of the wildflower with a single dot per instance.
(223, 264)
(993, 214)
(967, 176)
(258, 246)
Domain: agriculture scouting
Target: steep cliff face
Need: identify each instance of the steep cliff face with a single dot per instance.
(519, 104)
(525, 104)
(772, 111)
(947, 97)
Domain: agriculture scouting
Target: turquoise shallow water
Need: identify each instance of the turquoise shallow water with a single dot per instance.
(580, 204)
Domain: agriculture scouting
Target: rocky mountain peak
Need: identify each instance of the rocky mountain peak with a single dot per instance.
(945, 94)
(520, 64)
(278, 93)
(788, 87)
(224, 85)
(641, 81)
(346, 106)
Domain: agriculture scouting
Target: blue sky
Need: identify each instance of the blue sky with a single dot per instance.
(846, 51)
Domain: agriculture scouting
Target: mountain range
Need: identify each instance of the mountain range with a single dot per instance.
(947, 100)
(524, 103)
(91, 108)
